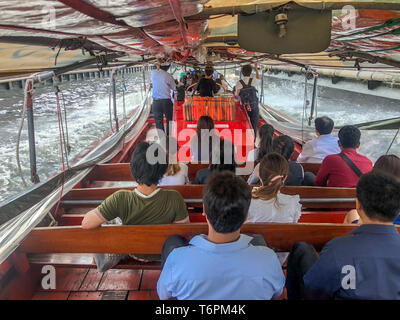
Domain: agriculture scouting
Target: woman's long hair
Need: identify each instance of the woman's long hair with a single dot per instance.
(226, 157)
(283, 145)
(266, 135)
(274, 169)
(172, 149)
(388, 164)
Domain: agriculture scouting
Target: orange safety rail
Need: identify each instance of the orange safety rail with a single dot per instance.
(218, 108)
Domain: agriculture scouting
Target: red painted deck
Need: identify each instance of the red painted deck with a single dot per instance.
(230, 130)
(114, 284)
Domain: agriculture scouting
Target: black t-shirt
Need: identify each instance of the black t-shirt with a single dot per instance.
(207, 87)
(180, 93)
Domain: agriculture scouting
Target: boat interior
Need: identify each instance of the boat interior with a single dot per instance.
(42, 225)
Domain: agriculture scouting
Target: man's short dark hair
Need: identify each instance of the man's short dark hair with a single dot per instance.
(209, 71)
(349, 136)
(165, 67)
(379, 196)
(324, 125)
(226, 201)
(144, 172)
(246, 70)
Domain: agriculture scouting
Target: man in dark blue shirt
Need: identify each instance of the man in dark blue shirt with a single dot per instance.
(365, 264)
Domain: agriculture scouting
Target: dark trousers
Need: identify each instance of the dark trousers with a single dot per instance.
(302, 257)
(163, 107)
(176, 241)
(309, 178)
(254, 114)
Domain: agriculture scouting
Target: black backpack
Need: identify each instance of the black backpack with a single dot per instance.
(248, 94)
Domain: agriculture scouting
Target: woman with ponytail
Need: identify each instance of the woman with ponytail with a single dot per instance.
(268, 204)
(177, 173)
(266, 134)
(283, 145)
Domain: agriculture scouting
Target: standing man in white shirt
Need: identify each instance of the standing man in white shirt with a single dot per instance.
(315, 150)
(249, 85)
(163, 85)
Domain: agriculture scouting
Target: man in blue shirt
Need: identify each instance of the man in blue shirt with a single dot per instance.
(224, 265)
(163, 85)
(365, 264)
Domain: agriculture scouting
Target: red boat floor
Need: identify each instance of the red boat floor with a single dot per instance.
(114, 284)
(230, 130)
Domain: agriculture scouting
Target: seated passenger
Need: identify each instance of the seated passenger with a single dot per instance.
(177, 172)
(266, 134)
(324, 144)
(364, 264)
(223, 265)
(268, 204)
(222, 160)
(344, 169)
(147, 204)
(387, 164)
(180, 91)
(283, 145)
(206, 86)
(204, 140)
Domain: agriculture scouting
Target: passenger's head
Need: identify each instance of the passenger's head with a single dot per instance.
(164, 67)
(225, 157)
(284, 145)
(209, 71)
(205, 122)
(349, 137)
(144, 172)
(388, 164)
(172, 150)
(246, 70)
(266, 134)
(226, 201)
(273, 172)
(378, 196)
(324, 125)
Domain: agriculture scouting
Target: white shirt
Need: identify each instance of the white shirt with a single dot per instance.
(315, 150)
(284, 209)
(255, 82)
(252, 155)
(180, 178)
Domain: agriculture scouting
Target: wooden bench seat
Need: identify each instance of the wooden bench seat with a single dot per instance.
(122, 172)
(66, 246)
(306, 217)
(310, 197)
(149, 239)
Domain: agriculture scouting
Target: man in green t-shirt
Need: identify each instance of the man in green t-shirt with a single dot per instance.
(146, 205)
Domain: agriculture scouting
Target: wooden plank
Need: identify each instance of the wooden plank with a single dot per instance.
(122, 171)
(149, 279)
(114, 295)
(117, 280)
(196, 192)
(143, 295)
(311, 167)
(137, 239)
(307, 217)
(85, 295)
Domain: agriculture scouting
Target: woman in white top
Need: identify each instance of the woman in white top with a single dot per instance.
(268, 204)
(177, 173)
(266, 134)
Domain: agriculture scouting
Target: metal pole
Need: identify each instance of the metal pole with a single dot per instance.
(262, 87)
(31, 136)
(314, 94)
(114, 92)
(144, 79)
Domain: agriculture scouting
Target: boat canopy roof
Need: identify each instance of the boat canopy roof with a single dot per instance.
(39, 35)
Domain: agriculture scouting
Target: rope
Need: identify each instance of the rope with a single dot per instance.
(60, 128)
(394, 138)
(304, 105)
(389, 23)
(109, 104)
(23, 114)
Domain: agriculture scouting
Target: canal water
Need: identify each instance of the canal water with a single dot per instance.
(88, 118)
